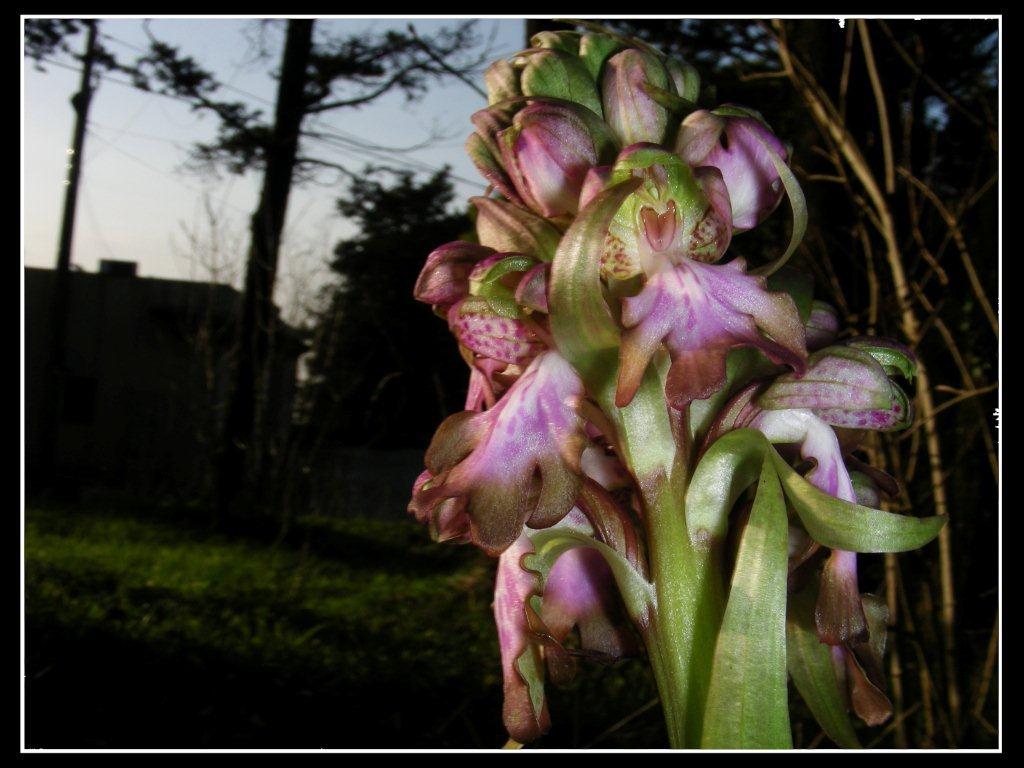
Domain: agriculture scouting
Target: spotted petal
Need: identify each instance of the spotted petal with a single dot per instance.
(700, 312)
(846, 387)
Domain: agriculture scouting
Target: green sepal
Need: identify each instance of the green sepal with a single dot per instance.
(747, 705)
(595, 50)
(580, 319)
(489, 285)
(810, 666)
(680, 184)
(889, 356)
(798, 204)
(557, 74)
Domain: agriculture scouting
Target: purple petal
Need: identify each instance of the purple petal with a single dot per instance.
(447, 520)
(844, 386)
(580, 592)
(444, 278)
(525, 710)
(700, 312)
(518, 462)
(736, 146)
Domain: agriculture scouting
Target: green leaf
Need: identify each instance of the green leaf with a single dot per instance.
(747, 705)
(796, 201)
(730, 466)
(725, 471)
(838, 524)
(810, 665)
(550, 543)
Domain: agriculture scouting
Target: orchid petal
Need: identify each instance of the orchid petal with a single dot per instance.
(444, 278)
(518, 462)
(741, 148)
(494, 329)
(525, 710)
(845, 387)
(700, 312)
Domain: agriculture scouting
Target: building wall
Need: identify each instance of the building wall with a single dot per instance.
(142, 401)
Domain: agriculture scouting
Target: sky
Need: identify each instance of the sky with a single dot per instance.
(140, 202)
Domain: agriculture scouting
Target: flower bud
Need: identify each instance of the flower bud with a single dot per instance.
(502, 81)
(739, 145)
(633, 115)
(561, 40)
(844, 386)
(444, 278)
(507, 228)
(684, 77)
(548, 151)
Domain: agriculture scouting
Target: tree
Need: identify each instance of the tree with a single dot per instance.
(383, 370)
(318, 76)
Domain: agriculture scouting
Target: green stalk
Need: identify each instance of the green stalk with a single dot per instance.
(684, 623)
(681, 639)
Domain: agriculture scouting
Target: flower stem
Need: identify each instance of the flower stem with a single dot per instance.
(684, 627)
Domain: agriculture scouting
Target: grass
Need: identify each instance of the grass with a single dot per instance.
(148, 630)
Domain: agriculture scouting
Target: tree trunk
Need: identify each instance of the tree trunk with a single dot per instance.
(243, 438)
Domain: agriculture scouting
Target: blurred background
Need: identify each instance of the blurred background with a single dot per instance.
(228, 387)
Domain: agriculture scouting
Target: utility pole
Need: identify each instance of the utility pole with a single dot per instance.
(54, 388)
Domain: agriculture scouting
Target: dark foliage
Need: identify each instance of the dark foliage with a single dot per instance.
(385, 370)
